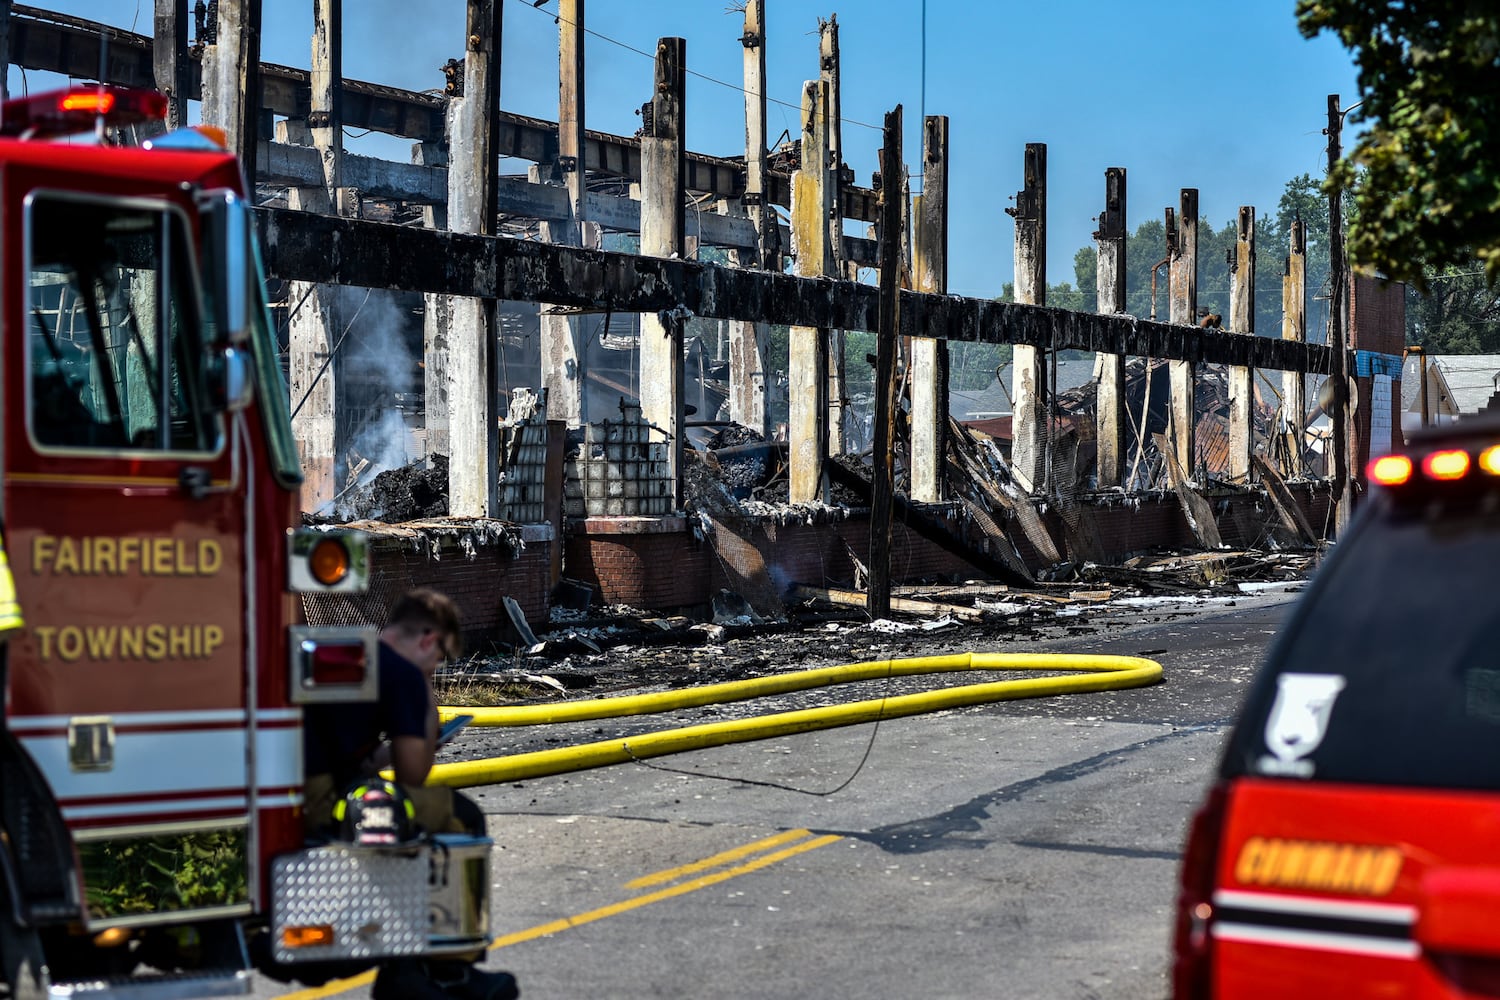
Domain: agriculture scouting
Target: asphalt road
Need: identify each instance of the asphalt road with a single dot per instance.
(1023, 849)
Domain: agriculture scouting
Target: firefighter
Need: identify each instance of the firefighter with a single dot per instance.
(348, 742)
(10, 608)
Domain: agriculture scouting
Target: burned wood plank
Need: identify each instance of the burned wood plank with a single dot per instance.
(306, 247)
(1281, 498)
(1200, 516)
(919, 522)
(906, 605)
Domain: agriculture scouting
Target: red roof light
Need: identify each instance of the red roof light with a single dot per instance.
(1452, 463)
(79, 109)
(1391, 470)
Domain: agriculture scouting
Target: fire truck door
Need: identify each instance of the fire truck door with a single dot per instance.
(128, 525)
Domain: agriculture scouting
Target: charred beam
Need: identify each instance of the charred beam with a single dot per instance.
(306, 247)
(42, 40)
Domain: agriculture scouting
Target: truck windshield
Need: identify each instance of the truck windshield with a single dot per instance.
(112, 313)
(1395, 654)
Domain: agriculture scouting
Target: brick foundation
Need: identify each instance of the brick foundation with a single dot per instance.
(477, 574)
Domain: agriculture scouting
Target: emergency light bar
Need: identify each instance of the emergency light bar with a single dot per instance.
(1445, 465)
(79, 109)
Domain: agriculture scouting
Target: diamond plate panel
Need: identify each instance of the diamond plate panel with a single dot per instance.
(375, 901)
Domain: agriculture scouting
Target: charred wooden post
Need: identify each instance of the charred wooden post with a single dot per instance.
(1109, 244)
(888, 329)
(1294, 328)
(169, 58)
(832, 152)
(929, 355)
(1182, 283)
(1242, 320)
(472, 127)
(561, 340)
(231, 80)
(1028, 379)
(807, 347)
(747, 339)
(662, 186)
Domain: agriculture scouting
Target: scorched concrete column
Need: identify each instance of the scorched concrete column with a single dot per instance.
(473, 435)
(562, 347)
(1109, 243)
(1242, 320)
(807, 361)
(662, 183)
(929, 355)
(1182, 281)
(1028, 385)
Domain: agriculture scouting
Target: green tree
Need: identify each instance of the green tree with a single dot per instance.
(1429, 163)
(1459, 313)
(1147, 246)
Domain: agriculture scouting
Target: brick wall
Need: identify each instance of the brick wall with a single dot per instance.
(476, 574)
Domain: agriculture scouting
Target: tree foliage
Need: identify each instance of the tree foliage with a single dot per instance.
(1458, 314)
(1147, 246)
(1429, 163)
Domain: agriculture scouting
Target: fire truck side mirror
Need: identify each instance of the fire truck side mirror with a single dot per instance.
(228, 263)
(230, 385)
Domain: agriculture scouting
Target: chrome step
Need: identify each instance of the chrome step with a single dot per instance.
(159, 986)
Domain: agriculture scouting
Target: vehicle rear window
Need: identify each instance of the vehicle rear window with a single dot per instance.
(1389, 673)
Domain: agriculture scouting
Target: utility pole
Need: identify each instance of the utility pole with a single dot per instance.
(833, 152)
(1337, 335)
(888, 323)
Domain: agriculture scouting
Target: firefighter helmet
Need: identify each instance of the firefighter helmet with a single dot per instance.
(376, 813)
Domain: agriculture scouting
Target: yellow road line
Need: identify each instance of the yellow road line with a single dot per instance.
(338, 986)
(682, 888)
(672, 874)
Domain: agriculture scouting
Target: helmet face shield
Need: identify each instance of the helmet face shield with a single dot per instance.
(376, 814)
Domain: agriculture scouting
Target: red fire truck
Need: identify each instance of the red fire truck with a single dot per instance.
(151, 750)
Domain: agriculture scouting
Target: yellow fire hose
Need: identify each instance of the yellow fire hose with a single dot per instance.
(1091, 673)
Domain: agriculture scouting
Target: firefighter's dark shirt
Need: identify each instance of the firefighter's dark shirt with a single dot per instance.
(338, 737)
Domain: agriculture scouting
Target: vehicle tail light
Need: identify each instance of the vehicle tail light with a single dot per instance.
(1489, 460)
(333, 663)
(1192, 963)
(310, 936)
(344, 662)
(79, 109)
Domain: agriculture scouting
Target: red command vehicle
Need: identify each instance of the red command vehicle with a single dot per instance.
(1349, 846)
(151, 752)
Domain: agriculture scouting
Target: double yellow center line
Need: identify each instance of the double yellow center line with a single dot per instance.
(675, 882)
(798, 843)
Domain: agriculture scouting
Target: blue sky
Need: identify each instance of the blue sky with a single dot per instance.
(1221, 95)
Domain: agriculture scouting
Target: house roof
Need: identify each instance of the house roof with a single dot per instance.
(1456, 383)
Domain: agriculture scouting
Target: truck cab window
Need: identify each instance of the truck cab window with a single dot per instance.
(112, 318)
